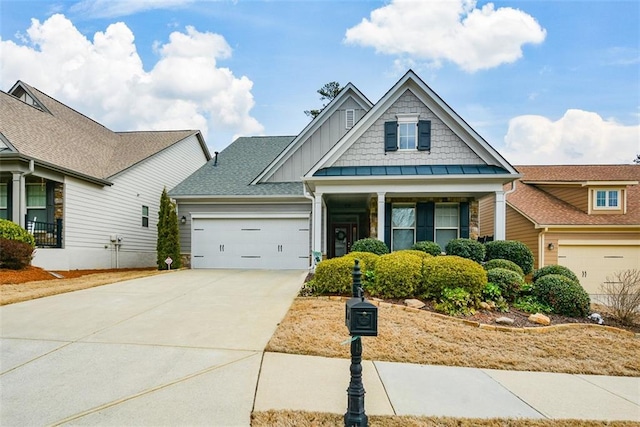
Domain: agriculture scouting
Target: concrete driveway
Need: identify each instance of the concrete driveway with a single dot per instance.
(182, 348)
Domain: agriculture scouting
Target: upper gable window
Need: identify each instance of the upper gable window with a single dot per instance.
(407, 133)
(350, 118)
(606, 199)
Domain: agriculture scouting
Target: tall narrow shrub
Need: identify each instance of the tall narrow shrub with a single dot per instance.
(168, 244)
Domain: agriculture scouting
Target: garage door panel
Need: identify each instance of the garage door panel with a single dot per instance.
(250, 243)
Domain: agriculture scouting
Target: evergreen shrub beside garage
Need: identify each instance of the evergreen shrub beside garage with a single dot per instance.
(563, 295)
(511, 250)
(555, 269)
(503, 263)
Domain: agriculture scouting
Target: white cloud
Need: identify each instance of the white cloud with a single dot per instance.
(451, 30)
(579, 137)
(115, 8)
(104, 79)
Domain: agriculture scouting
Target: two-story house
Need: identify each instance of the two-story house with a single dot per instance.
(407, 168)
(585, 217)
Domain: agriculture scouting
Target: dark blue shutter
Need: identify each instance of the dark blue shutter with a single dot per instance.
(387, 224)
(421, 221)
(10, 201)
(464, 220)
(390, 136)
(431, 216)
(424, 135)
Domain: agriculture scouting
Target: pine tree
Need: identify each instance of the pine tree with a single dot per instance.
(168, 244)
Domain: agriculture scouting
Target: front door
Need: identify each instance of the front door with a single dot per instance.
(342, 237)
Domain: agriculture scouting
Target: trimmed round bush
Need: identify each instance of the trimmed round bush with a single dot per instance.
(429, 247)
(511, 250)
(368, 260)
(333, 276)
(369, 244)
(503, 263)
(562, 294)
(422, 255)
(397, 275)
(15, 255)
(452, 271)
(12, 231)
(509, 282)
(555, 269)
(466, 248)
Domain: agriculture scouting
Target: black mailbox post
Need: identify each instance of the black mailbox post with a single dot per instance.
(361, 318)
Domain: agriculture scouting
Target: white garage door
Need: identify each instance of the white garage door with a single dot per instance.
(250, 243)
(592, 264)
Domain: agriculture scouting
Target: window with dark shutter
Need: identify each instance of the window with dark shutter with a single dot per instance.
(424, 135)
(390, 136)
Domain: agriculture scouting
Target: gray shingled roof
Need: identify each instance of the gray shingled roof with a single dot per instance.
(236, 167)
(67, 139)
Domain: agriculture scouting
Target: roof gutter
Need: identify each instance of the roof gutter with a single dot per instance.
(33, 162)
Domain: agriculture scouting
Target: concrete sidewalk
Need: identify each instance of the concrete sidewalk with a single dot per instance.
(314, 383)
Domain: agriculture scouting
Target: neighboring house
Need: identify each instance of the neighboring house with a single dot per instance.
(89, 195)
(586, 218)
(403, 170)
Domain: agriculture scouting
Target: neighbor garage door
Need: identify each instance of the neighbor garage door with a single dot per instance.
(278, 243)
(592, 264)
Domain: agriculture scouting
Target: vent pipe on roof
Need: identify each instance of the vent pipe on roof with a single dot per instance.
(215, 160)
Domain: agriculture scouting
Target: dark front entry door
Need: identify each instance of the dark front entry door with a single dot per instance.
(342, 237)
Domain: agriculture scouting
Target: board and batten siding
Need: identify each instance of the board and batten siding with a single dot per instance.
(93, 213)
(317, 144)
(446, 146)
(189, 208)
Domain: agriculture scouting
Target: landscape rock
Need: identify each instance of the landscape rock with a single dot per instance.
(540, 319)
(414, 303)
(485, 306)
(505, 321)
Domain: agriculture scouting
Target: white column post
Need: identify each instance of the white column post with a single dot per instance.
(381, 216)
(18, 199)
(500, 220)
(317, 222)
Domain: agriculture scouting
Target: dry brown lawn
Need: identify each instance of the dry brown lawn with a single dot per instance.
(17, 292)
(316, 419)
(315, 326)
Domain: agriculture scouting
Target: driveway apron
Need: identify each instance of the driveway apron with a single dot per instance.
(180, 348)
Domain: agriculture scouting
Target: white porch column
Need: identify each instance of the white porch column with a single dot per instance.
(500, 224)
(381, 216)
(317, 222)
(18, 199)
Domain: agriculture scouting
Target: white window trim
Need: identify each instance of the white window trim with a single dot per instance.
(607, 207)
(408, 118)
(145, 216)
(350, 118)
(415, 220)
(435, 221)
(4, 202)
(32, 185)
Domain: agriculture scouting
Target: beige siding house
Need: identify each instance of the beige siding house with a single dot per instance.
(585, 217)
(404, 169)
(89, 195)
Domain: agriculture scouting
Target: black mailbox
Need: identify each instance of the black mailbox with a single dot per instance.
(361, 318)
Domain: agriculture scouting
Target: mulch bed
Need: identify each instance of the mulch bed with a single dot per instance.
(33, 274)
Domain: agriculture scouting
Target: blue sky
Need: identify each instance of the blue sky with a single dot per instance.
(542, 81)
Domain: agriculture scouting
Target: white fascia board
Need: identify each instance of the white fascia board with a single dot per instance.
(440, 187)
(311, 128)
(247, 215)
(246, 199)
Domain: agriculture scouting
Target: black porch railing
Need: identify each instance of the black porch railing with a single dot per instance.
(485, 239)
(47, 234)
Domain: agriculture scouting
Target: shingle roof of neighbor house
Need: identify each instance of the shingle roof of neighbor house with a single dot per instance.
(545, 209)
(236, 167)
(67, 139)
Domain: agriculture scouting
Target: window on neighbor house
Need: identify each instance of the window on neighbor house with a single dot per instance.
(4, 201)
(145, 216)
(607, 199)
(350, 118)
(36, 202)
(403, 226)
(447, 220)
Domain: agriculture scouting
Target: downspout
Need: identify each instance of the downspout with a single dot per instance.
(506, 193)
(307, 195)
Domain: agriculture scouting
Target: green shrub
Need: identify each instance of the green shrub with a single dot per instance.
(369, 244)
(511, 250)
(503, 263)
(466, 248)
(555, 269)
(12, 231)
(397, 275)
(333, 276)
(529, 304)
(451, 271)
(15, 255)
(429, 247)
(562, 294)
(368, 262)
(491, 292)
(422, 255)
(455, 301)
(509, 282)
